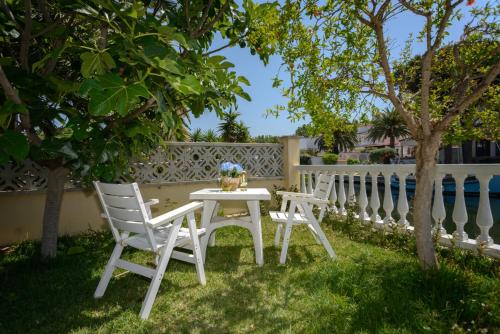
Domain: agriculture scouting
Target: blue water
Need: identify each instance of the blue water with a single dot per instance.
(471, 202)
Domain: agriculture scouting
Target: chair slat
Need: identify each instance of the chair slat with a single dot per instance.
(126, 214)
(129, 226)
(121, 202)
(117, 189)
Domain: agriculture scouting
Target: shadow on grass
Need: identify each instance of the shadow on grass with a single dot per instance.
(396, 296)
(366, 290)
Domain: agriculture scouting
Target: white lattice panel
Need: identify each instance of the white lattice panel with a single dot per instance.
(179, 162)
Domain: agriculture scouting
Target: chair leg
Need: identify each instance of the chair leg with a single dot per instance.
(198, 257)
(165, 254)
(277, 236)
(323, 239)
(314, 233)
(108, 271)
(286, 239)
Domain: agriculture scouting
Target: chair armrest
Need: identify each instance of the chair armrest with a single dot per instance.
(152, 201)
(293, 194)
(174, 214)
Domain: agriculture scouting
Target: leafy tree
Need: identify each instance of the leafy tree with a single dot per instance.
(388, 124)
(303, 130)
(231, 130)
(480, 121)
(86, 86)
(338, 54)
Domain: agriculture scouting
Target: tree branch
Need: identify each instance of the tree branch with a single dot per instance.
(384, 63)
(205, 14)
(26, 36)
(148, 104)
(12, 95)
(210, 24)
(413, 9)
(225, 46)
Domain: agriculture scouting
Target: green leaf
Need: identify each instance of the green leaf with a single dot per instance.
(96, 63)
(169, 65)
(64, 133)
(216, 59)
(244, 80)
(15, 144)
(181, 39)
(226, 64)
(114, 95)
(192, 83)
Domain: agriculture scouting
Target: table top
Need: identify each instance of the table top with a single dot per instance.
(250, 194)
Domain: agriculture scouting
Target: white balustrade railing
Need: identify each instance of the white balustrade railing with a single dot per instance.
(401, 177)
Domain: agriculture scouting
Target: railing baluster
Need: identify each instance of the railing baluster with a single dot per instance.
(333, 197)
(342, 198)
(403, 207)
(484, 219)
(351, 195)
(310, 183)
(459, 210)
(363, 199)
(374, 200)
(303, 188)
(438, 210)
(388, 203)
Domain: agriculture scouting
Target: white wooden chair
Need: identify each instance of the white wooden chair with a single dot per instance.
(300, 211)
(132, 225)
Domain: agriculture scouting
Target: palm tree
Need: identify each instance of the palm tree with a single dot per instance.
(343, 140)
(197, 135)
(210, 136)
(388, 124)
(231, 130)
(228, 129)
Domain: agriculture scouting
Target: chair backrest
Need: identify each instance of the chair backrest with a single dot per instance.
(324, 185)
(124, 207)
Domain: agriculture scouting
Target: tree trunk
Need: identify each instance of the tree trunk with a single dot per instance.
(426, 162)
(392, 142)
(55, 190)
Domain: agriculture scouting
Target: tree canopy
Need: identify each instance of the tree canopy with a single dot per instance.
(86, 86)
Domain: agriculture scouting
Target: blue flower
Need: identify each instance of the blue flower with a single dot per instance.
(226, 166)
(238, 168)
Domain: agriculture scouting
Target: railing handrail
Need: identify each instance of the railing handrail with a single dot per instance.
(493, 169)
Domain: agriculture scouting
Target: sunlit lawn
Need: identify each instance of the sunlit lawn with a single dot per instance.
(368, 289)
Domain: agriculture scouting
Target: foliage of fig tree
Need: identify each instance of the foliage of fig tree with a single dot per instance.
(338, 56)
(87, 85)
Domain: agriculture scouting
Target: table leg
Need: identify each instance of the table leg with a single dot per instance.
(211, 241)
(206, 218)
(254, 209)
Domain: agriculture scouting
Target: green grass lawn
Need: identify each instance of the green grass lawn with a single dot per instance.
(368, 289)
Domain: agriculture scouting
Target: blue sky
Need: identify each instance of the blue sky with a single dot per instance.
(264, 96)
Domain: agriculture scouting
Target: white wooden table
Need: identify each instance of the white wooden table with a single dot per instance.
(210, 221)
